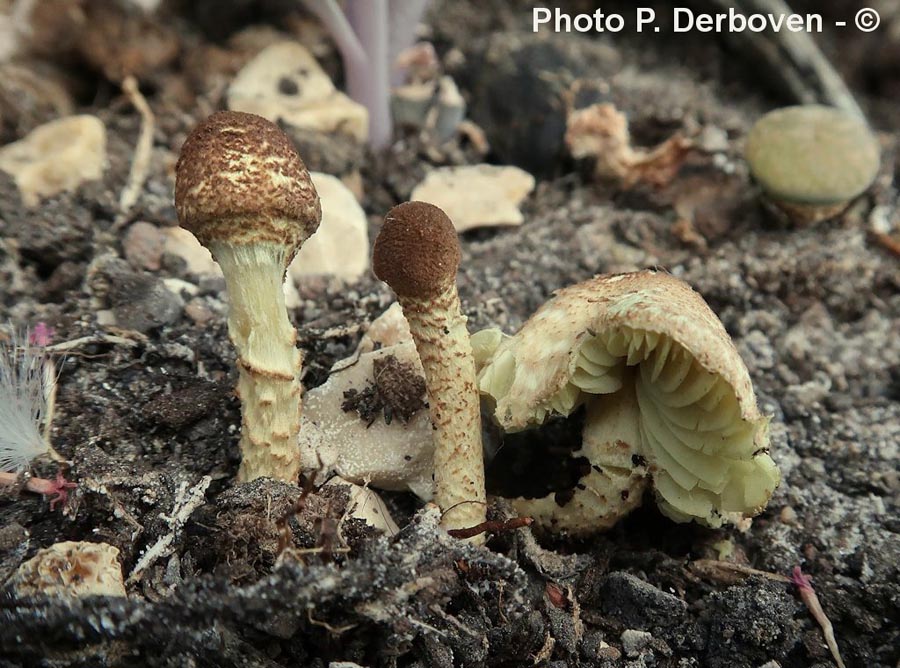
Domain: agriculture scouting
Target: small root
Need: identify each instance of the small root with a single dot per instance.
(141, 160)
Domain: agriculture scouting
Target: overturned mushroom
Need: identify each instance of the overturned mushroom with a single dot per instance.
(417, 253)
(664, 392)
(244, 192)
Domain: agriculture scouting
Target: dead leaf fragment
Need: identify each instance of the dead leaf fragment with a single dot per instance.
(600, 131)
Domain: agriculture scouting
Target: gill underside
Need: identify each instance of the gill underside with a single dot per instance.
(687, 421)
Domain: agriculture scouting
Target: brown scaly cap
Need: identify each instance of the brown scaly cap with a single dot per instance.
(417, 251)
(239, 179)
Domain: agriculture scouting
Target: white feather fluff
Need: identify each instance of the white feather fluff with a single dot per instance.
(23, 405)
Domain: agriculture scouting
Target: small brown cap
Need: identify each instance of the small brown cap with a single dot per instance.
(417, 251)
(240, 180)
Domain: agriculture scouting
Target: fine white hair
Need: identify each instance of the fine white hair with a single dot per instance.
(23, 404)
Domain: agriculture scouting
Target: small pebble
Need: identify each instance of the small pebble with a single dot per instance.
(788, 515)
(143, 246)
(633, 642)
(56, 157)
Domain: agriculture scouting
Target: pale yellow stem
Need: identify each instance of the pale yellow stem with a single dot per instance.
(268, 359)
(439, 330)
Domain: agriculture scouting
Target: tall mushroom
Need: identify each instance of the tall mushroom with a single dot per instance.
(244, 192)
(417, 254)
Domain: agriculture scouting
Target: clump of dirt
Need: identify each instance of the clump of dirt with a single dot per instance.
(397, 390)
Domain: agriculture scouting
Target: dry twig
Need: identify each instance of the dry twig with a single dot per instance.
(187, 501)
(495, 526)
(729, 573)
(141, 160)
(790, 58)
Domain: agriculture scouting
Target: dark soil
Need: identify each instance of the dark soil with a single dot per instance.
(815, 313)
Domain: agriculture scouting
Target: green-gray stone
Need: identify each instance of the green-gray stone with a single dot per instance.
(812, 154)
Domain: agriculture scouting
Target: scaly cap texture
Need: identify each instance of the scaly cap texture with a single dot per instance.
(650, 336)
(417, 251)
(240, 180)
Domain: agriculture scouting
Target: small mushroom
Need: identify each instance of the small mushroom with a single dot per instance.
(417, 254)
(243, 190)
(71, 568)
(665, 395)
(812, 161)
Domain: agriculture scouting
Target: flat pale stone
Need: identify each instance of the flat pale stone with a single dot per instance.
(284, 82)
(340, 247)
(388, 329)
(55, 157)
(392, 456)
(477, 195)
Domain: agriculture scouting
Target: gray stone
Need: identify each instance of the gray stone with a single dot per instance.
(639, 604)
(634, 642)
(132, 300)
(148, 305)
(752, 622)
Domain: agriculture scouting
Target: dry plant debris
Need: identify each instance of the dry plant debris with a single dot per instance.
(811, 600)
(396, 390)
(600, 132)
(144, 147)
